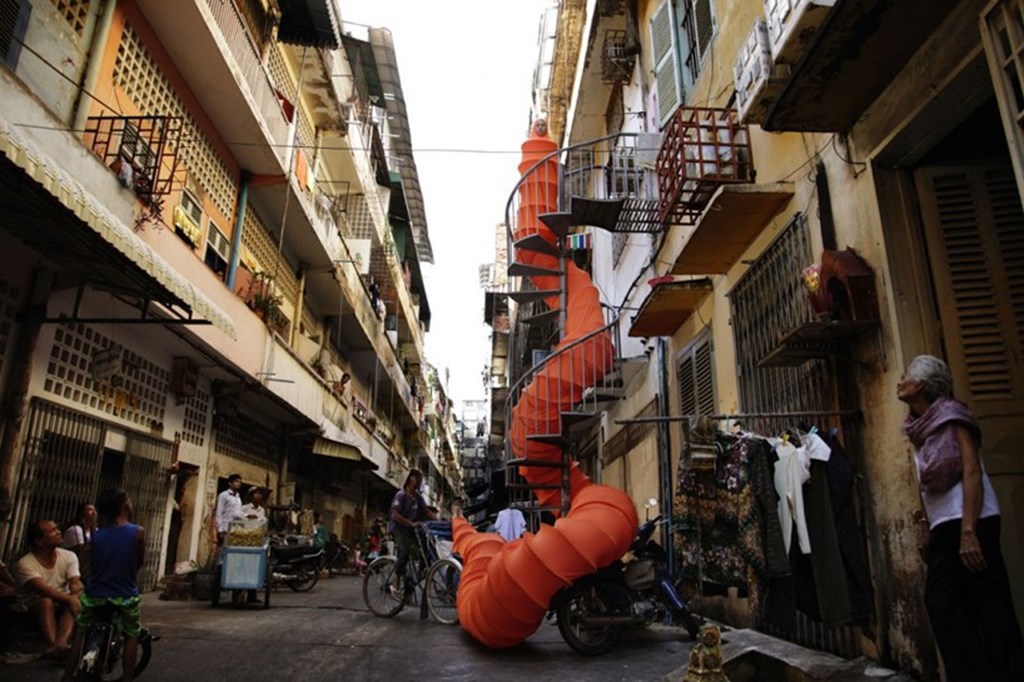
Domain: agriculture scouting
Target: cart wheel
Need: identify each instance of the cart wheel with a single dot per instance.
(266, 597)
(237, 598)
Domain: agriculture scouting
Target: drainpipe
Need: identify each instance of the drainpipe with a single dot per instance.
(299, 297)
(92, 71)
(665, 459)
(236, 237)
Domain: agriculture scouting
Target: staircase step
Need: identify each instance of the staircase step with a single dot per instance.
(528, 295)
(571, 419)
(528, 486)
(559, 223)
(603, 213)
(532, 506)
(524, 270)
(546, 316)
(547, 438)
(535, 242)
(527, 462)
(603, 394)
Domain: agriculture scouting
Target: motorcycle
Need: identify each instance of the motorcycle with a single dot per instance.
(102, 648)
(297, 566)
(595, 609)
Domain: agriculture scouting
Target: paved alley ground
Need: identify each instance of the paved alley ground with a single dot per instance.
(328, 634)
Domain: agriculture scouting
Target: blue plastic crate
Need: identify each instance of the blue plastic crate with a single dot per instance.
(243, 568)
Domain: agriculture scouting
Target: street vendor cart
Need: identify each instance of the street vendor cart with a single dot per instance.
(243, 562)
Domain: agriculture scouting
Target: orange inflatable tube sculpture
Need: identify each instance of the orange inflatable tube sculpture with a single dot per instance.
(506, 587)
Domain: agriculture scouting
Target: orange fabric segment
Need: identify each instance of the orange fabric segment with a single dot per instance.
(506, 587)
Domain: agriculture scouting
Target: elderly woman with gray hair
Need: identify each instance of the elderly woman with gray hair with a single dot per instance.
(967, 592)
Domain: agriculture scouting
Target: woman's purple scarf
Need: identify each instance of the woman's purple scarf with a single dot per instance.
(934, 436)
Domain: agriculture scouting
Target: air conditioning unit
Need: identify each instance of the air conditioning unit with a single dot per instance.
(791, 23)
(758, 79)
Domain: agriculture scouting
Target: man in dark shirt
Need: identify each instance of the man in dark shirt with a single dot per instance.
(408, 509)
(118, 551)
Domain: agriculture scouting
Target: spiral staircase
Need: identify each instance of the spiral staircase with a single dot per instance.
(609, 183)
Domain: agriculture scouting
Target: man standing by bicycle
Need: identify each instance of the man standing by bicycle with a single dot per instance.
(408, 509)
(118, 550)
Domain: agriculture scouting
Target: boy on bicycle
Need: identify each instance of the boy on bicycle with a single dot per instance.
(118, 549)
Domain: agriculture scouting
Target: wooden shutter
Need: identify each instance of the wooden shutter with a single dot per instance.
(696, 373)
(697, 28)
(13, 24)
(1003, 37)
(976, 244)
(704, 375)
(666, 66)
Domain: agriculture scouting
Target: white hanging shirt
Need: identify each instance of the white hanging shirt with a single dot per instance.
(816, 447)
(510, 524)
(791, 472)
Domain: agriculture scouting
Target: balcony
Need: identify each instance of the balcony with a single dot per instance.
(703, 151)
(734, 216)
(841, 55)
(668, 305)
(215, 52)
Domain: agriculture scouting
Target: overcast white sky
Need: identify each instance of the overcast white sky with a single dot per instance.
(466, 68)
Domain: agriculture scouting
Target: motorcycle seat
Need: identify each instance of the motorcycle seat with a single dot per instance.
(291, 553)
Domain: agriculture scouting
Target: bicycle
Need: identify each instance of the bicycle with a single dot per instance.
(102, 649)
(431, 580)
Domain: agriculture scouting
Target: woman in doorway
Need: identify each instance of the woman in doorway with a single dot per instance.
(78, 536)
(967, 592)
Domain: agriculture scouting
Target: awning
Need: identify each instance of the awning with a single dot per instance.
(310, 23)
(667, 306)
(326, 447)
(47, 214)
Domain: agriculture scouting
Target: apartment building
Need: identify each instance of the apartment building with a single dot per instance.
(713, 150)
(212, 241)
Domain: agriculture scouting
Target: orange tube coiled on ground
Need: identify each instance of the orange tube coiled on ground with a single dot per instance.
(506, 587)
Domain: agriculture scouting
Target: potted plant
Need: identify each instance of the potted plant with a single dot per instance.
(265, 304)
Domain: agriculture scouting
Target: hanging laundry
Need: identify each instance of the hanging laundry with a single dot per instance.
(510, 524)
(791, 472)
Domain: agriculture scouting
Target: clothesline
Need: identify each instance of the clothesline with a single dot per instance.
(746, 415)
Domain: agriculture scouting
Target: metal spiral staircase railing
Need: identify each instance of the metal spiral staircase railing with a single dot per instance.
(608, 183)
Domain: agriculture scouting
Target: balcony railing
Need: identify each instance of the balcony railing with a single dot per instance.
(247, 55)
(702, 150)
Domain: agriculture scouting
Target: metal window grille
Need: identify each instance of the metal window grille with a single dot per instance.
(147, 481)
(63, 466)
(766, 303)
(246, 440)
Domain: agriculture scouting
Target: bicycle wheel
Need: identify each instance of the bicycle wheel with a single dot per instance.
(377, 588)
(115, 671)
(442, 587)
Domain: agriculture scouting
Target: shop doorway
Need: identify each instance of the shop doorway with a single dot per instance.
(973, 227)
(186, 496)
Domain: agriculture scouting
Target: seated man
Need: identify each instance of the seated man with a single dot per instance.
(50, 585)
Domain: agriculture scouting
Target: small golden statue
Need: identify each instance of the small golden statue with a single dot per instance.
(706, 657)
